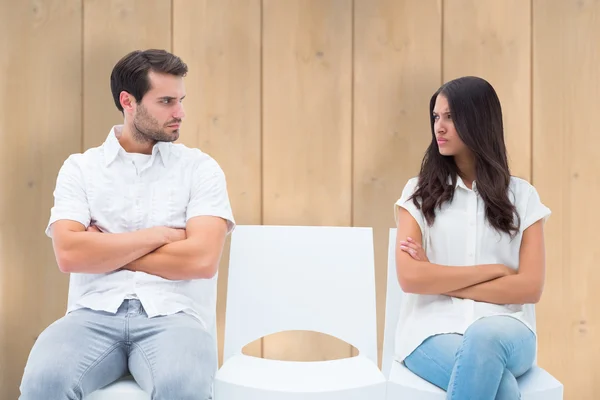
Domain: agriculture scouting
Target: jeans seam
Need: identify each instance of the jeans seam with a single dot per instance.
(456, 369)
(520, 344)
(152, 374)
(96, 362)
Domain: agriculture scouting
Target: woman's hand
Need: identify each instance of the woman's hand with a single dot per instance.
(414, 249)
(93, 228)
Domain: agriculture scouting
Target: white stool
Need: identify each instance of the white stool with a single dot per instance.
(123, 389)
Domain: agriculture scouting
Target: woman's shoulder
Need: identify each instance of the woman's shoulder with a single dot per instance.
(410, 186)
(528, 202)
(521, 190)
(520, 186)
(407, 191)
(412, 182)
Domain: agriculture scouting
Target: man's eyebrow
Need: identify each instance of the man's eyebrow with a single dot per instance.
(169, 98)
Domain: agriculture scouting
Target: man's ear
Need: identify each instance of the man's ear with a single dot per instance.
(127, 101)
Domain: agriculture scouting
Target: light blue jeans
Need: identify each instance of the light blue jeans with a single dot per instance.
(481, 365)
(170, 357)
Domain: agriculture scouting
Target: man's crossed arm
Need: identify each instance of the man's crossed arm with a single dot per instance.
(175, 254)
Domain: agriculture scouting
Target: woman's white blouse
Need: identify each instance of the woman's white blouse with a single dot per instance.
(461, 236)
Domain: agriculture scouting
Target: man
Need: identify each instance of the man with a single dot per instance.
(139, 223)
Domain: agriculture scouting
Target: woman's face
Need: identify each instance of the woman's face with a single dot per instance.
(448, 141)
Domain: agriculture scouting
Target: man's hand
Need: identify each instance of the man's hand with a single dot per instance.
(171, 235)
(196, 257)
(103, 252)
(174, 234)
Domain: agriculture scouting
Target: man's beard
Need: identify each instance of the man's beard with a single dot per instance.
(147, 129)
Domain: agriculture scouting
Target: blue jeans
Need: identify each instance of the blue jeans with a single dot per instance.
(170, 357)
(481, 365)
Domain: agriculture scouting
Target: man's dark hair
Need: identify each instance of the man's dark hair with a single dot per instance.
(130, 74)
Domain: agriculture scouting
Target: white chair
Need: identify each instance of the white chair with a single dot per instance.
(123, 389)
(536, 384)
(300, 278)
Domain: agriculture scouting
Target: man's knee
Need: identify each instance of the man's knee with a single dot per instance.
(45, 381)
(190, 385)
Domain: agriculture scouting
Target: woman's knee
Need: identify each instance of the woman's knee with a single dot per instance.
(496, 331)
(499, 335)
(509, 387)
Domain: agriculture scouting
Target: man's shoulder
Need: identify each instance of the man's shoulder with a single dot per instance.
(196, 158)
(82, 159)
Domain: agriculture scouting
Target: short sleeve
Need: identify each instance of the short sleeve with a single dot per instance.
(408, 204)
(70, 199)
(209, 194)
(534, 210)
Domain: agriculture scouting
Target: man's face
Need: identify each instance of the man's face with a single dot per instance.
(160, 113)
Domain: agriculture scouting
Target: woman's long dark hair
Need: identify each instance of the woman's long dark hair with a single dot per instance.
(477, 117)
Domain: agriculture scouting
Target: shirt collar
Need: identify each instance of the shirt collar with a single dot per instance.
(461, 183)
(112, 147)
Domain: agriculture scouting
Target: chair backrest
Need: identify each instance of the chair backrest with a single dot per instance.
(392, 308)
(393, 299)
(311, 278)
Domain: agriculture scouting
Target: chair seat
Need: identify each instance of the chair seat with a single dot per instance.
(123, 389)
(246, 377)
(536, 384)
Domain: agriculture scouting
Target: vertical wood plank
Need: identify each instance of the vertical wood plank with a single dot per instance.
(40, 124)
(307, 141)
(397, 67)
(565, 172)
(113, 28)
(492, 39)
(219, 40)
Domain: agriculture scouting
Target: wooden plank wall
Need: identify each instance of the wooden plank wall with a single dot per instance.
(317, 110)
(40, 125)
(566, 55)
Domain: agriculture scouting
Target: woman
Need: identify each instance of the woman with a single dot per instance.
(469, 253)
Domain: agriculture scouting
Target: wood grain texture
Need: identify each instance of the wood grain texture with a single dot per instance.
(491, 39)
(40, 124)
(565, 172)
(220, 42)
(317, 112)
(307, 142)
(397, 67)
(113, 28)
